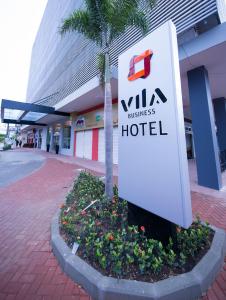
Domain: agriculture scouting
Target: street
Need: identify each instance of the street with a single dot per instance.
(15, 165)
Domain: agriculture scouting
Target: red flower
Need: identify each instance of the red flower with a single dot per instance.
(64, 222)
(111, 238)
(83, 212)
(142, 228)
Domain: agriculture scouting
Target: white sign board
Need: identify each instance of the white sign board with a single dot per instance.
(153, 169)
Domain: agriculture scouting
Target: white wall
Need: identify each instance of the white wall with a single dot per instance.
(44, 136)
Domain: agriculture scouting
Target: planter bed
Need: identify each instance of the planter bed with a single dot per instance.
(190, 285)
(118, 261)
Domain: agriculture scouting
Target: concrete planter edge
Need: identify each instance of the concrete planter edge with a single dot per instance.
(188, 286)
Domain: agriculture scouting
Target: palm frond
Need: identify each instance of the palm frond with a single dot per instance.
(82, 22)
(150, 3)
(139, 20)
(127, 13)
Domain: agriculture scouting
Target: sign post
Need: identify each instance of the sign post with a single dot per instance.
(153, 169)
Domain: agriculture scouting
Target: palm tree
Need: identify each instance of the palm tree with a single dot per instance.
(102, 21)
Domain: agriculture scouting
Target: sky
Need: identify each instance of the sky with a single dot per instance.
(19, 23)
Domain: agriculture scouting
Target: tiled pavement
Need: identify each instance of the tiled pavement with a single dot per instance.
(28, 269)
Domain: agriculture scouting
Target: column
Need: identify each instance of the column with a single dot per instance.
(72, 142)
(51, 138)
(203, 124)
(61, 137)
(44, 136)
(220, 119)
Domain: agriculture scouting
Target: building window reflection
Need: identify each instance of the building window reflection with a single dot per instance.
(66, 137)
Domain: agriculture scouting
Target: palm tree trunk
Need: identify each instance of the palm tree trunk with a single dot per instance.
(108, 128)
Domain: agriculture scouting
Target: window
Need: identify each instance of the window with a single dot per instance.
(66, 137)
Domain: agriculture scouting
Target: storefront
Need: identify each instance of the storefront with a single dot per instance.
(89, 140)
(30, 138)
(56, 137)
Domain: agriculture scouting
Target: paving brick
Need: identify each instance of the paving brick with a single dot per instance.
(221, 282)
(17, 276)
(71, 289)
(70, 298)
(48, 297)
(33, 297)
(49, 275)
(59, 279)
(27, 278)
(12, 288)
(84, 298)
(82, 292)
(218, 291)
(59, 290)
(76, 291)
(223, 273)
(52, 262)
(40, 269)
(11, 297)
(23, 290)
(46, 289)
(211, 295)
(36, 284)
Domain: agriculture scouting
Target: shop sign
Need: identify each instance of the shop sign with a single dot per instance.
(80, 123)
(153, 170)
(99, 117)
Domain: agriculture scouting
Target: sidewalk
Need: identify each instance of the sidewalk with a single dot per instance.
(99, 168)
(28, 269)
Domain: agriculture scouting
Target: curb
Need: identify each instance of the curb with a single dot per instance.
(185, 286)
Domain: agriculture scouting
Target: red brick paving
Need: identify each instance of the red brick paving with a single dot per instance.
(214, 211)
(28, 269)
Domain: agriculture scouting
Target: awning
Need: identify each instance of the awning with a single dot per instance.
(24, 113)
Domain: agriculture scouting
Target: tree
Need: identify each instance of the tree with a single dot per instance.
(102, 21)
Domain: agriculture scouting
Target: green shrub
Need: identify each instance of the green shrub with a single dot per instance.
(6, 147)
(2, 138)
(106, 240)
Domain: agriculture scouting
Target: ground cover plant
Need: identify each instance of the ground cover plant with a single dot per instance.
(6, 147)
(2, 138)
(107, 243)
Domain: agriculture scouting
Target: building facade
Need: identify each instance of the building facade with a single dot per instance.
(64, 75)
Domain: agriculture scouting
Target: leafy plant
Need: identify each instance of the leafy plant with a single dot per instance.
(107, 242)
(6, 147)
(2, 137)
